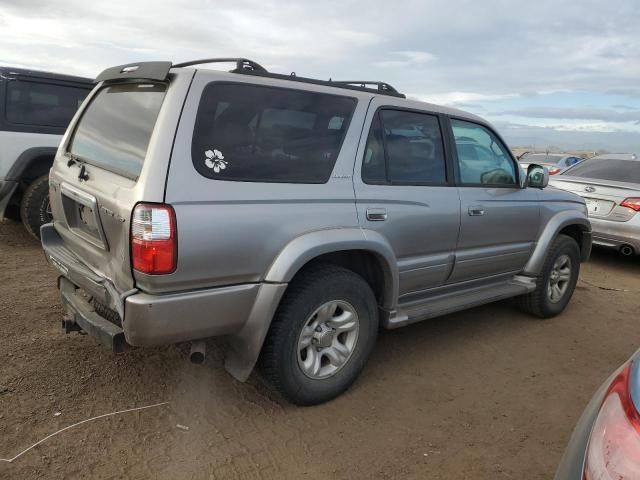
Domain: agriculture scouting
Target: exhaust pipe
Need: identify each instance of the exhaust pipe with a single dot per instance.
(627, 250)
(198, 352)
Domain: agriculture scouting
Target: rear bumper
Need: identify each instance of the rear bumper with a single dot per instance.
(147, 319)
(7, 188)
(81, 313)
(165, 319)
(615, 234)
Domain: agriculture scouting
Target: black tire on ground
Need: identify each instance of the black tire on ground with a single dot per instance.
(538, 302)
(34, 208)
(311, 289)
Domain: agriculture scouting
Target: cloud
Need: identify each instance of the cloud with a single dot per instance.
(406, 59)
(487, 47)
(576, 113)
(494, 55)
(459, 98)
(543, 137)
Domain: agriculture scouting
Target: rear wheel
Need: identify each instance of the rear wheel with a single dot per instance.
(321, 335)
(557, 282)
(35, 209)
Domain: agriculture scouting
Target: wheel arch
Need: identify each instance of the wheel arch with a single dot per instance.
(365, 252)
(30, 165)
(568, 222)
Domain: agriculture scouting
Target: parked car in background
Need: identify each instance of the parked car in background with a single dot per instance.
(293, 216)
(605, 444)
(35, 109)
(610, 185)
(555, 163)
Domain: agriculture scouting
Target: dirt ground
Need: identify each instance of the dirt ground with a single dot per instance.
(489, 393)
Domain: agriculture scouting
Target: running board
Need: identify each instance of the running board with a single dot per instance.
(450, 302)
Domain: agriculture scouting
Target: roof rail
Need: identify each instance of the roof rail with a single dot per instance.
(160, 70)
(358, 86)
(241, 63)
(381, 86)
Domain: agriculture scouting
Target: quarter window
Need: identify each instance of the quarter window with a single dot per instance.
(482, 158)
(404, 148)
(265, 134)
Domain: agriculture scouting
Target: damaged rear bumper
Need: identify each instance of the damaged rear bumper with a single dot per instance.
(242, 312)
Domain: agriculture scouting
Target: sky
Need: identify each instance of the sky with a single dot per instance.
(562, 74)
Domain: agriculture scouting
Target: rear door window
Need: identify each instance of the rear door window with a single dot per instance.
(608, 169)
(114, 130)
(265, 134)
(42, 104)
(404, 148)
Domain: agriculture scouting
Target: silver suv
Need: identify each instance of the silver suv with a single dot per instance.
(294, 216)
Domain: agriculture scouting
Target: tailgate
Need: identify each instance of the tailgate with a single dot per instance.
(115, 154)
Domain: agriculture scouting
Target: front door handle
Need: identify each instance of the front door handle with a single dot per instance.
(476, 211)
(376, 214)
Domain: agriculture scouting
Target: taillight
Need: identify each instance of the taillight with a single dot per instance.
(632, 202)
(614, 446)
(554, 170)
(154, 240)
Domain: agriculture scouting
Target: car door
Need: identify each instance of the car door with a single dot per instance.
(404, 191)
(499, 220)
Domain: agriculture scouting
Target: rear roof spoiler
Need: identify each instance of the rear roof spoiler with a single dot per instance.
(141, 70)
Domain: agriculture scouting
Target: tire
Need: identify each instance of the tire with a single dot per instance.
(541, 302)
(34, 208)
(308, 301)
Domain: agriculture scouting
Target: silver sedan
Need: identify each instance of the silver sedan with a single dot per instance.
(610, 185)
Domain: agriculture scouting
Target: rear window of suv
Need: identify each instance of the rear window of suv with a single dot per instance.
(114, 130)
(265, 134)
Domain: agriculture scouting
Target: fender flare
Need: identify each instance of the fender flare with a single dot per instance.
(306, 247)
(245, 346)
(553, 227)
(25, 158)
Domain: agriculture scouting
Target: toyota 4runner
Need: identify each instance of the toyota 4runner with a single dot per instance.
(294, 216)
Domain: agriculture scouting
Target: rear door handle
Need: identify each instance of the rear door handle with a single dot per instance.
(376, 214)
(476, 211)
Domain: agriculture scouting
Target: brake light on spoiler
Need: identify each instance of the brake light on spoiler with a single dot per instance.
(154, 239)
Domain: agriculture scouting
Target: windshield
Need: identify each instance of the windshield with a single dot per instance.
(114, 131)
(607, 169)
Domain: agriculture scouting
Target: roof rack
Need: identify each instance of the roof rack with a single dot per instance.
(241, 64)
(160, 70)
(381, 86)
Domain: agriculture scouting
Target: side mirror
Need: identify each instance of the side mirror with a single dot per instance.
(537, 176)
(522, 177)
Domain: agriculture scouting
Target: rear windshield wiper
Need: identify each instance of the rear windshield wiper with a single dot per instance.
(72, 159)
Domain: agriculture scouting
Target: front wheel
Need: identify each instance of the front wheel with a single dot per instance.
(321, 335)
(557, 281)
(35, 209)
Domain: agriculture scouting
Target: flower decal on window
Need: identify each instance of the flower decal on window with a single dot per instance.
(215, 160)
